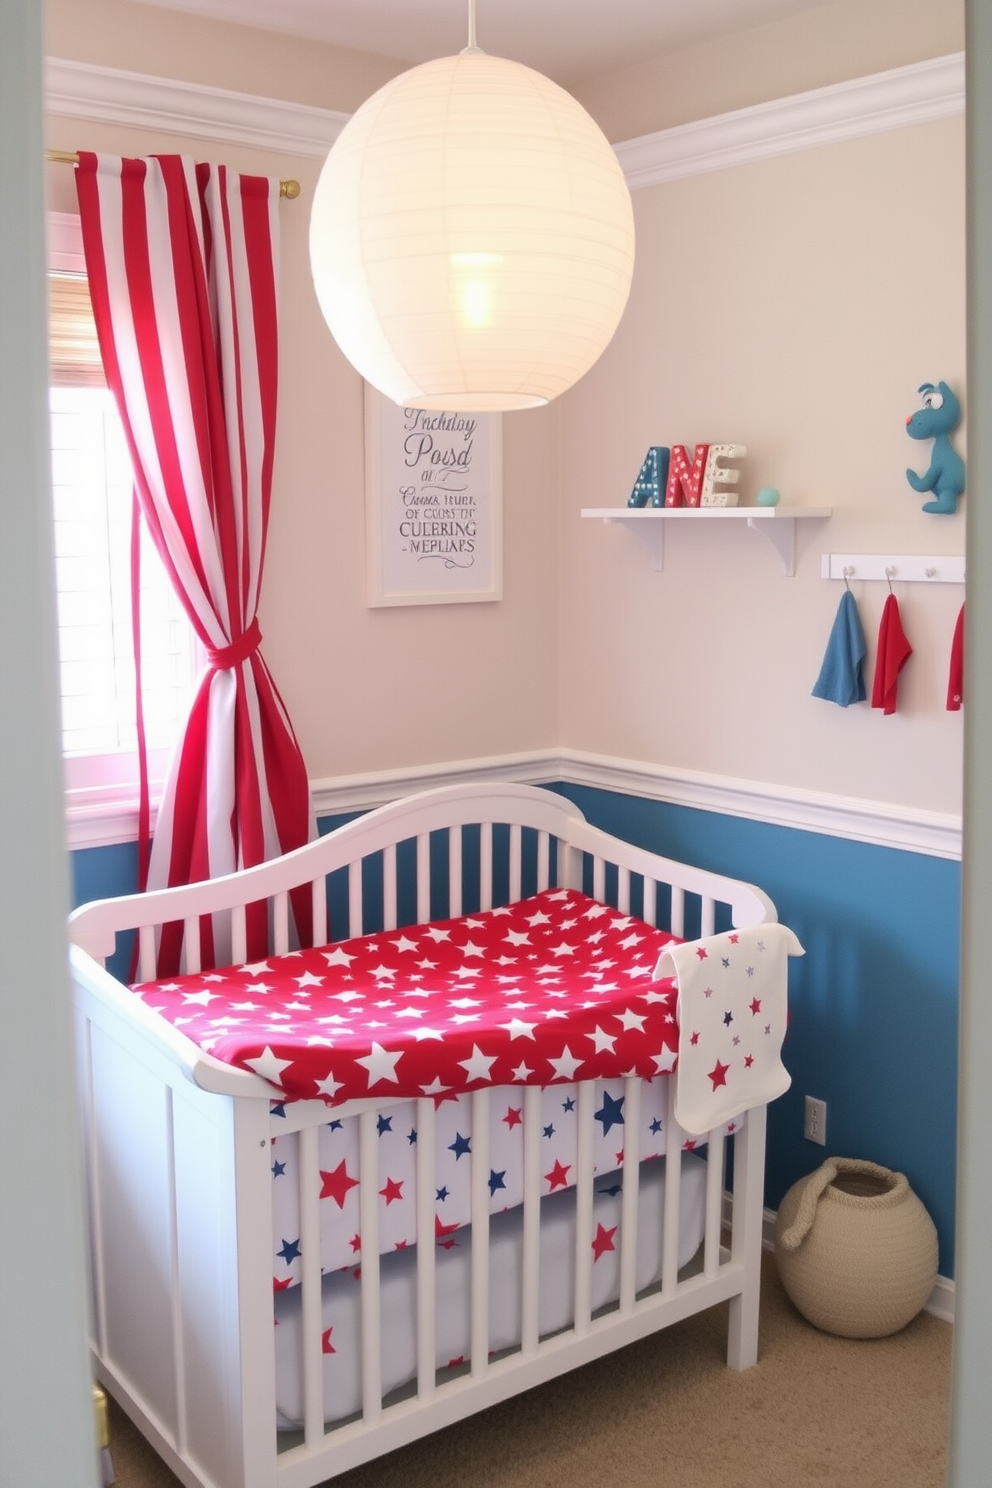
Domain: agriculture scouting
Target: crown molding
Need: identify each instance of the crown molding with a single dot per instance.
(80, 90)
(915, 94)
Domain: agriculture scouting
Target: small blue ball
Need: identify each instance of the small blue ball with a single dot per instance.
(768, 496)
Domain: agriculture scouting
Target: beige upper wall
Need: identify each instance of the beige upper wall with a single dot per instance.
(367, 689)
(793, 305)
(849, 39)
(197, 49)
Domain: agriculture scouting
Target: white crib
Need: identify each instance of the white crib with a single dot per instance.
(178, 1158)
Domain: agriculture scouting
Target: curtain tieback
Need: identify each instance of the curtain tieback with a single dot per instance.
(239, 650)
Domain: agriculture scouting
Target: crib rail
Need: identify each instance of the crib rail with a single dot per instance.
(433, 856)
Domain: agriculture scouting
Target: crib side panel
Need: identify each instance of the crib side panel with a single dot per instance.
(559, 1260)
(178, 1303)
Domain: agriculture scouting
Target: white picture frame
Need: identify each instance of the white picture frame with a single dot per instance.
(433, 505)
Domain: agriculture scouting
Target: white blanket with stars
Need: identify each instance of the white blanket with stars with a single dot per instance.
(732, 1016)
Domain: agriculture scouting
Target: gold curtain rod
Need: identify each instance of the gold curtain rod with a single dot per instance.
(289, 189)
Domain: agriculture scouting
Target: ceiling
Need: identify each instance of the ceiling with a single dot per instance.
(563, 38)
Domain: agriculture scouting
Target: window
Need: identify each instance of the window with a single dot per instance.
(91, 492)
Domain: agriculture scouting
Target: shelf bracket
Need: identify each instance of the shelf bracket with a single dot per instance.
(781, 533)
(651, 534)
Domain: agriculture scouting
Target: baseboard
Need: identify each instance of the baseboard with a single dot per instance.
(941, 1300)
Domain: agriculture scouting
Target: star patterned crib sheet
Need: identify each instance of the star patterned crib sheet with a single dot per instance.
(550, 988)
(547, 990)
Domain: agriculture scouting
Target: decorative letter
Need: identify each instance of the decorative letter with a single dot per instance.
(685, 480)
(650, 484)
(717, 474)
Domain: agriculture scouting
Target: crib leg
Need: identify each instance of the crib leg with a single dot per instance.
(748, 1213)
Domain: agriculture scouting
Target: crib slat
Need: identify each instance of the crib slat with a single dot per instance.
(454, 871)
(423, 877)
(623, 890)
(480, 1234)
(355, 911)
(708, 917)
(583, 1207)
(599, 879)
(486, 865)
(311, 1342)
(649, 911)
(530, 1285)
(426, 1253)
(571, 861)
(516, 861)
(318, 909)
(368, 1137)
(630, 1192)
(543, 860)
(280, 924)
(714, 1202)
(146, 953)
(389, 913)
(677, 923)
(178, 1322)
(673, 1180)
(191, 944)
(239, 935)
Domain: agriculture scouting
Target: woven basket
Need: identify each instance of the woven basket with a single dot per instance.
(856, 1249)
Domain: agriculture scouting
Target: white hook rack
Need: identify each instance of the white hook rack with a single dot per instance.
(907, 568)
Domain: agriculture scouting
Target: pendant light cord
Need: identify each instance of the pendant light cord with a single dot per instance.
(472, 47)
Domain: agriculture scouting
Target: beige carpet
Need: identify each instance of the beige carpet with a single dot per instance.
(667, 1413)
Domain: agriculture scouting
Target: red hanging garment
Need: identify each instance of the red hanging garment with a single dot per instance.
(893, 653)
(955, 678)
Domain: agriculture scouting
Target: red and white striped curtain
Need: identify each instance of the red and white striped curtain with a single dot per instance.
(183, 261)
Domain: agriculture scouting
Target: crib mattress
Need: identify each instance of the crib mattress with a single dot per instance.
(550, 989)
(340, 1299)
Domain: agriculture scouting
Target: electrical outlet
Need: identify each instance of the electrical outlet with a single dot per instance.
(815, 1124)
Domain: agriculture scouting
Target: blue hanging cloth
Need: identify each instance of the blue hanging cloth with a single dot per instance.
(841, 678)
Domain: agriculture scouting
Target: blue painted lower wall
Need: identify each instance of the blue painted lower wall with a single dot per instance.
(873, 1020)
(873, 1003)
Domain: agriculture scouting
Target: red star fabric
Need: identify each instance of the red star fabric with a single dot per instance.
(554, 988)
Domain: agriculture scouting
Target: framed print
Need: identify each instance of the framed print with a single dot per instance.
(433, 505)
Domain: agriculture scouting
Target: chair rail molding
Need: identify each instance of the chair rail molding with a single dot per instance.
(99, 819)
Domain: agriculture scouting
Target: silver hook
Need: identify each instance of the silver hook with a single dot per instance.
(848, 574)
(888, 576)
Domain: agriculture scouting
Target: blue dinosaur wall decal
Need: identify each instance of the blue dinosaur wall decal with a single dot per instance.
(936, 420)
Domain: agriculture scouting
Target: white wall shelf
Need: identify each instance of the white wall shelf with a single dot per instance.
(776, 523)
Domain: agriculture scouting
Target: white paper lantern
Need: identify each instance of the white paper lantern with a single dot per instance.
(472, 237)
